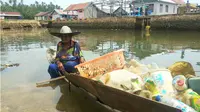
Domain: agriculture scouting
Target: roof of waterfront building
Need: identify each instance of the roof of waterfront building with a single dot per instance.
(74, 7)
(59, 11)
(179, 1)
(191, 5)
(168, 1)
(42, 13)
(10, 13)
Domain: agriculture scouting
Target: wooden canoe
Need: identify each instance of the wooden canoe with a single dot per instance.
(114, 98)
(118, 99)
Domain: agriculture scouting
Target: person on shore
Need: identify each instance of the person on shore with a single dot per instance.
(68, 53)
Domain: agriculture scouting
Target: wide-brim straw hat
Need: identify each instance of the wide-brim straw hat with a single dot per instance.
(65, 31)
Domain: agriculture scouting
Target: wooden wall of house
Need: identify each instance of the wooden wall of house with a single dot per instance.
(120, 12)
(90, 11)
(101, 14)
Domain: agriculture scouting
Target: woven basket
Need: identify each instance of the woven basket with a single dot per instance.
(103, 64)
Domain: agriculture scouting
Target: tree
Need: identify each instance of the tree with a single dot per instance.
(27, 11)
(22, 2)
(36, 3)
(14, 3)
(1, 3)
(10, 2)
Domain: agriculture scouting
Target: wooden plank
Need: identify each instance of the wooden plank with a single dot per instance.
(83, 83)
(124, 101)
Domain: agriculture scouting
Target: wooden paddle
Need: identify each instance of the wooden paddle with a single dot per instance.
(47, 81)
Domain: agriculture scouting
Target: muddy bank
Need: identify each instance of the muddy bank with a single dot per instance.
(19, 24)
(101, 23)
(171, 22)
(178, 22)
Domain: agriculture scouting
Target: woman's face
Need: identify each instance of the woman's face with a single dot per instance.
(66, 38)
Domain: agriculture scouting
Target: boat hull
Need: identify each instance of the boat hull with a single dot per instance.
(118, 99)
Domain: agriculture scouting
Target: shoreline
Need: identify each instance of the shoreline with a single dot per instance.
(165, 22)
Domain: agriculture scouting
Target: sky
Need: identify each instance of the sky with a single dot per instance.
(65, 3)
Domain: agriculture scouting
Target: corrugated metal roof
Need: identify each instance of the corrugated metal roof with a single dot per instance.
(75, 7)
(120, 9)
(42, 13)
(106, 9)
(10, 13)
(59, 11)
(169, 1)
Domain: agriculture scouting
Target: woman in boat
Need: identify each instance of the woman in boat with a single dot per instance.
(68, 53)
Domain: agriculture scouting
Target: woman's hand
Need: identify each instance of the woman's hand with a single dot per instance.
(82, 60)
(60, 66)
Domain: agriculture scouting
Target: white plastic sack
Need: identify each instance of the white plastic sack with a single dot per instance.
(123, 80)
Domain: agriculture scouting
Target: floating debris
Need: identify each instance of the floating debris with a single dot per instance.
(51, 54)
(4, 66)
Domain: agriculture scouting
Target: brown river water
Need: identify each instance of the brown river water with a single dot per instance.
(28, 48)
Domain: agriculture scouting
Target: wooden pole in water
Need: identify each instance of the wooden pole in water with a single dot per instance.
(47, 81)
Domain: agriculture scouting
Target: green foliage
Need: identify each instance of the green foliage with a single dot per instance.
(27, 11)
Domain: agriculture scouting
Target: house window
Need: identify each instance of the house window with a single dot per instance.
(151, 7)
(166, 8)
(80, 11)
(174, 9)
(161, 8)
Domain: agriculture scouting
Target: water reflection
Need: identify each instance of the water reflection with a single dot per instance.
(19, 40)
(168, 45)
(14, 41)
(136, 42)
(75, 102)
(29, 50)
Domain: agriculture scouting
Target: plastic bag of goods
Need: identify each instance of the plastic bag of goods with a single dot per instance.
(194, 100)
(161, 77)
(123, 80)
(163, 80)
(175, 103)
(191, 98)
(151, 86)
(137, 68)
(182, 67)
(188, 96)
